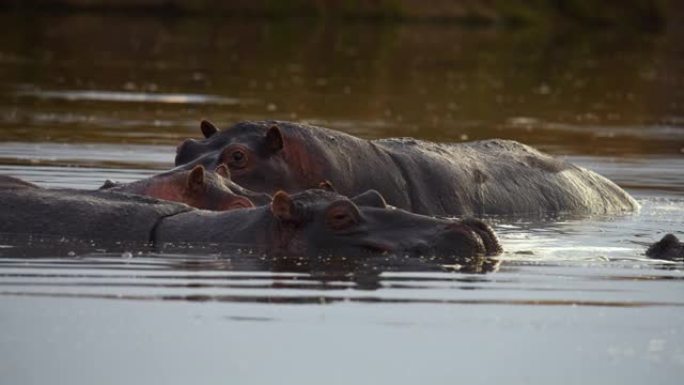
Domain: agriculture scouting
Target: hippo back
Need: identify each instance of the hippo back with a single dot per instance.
(500, 177)
(10, 182)
(78, 214)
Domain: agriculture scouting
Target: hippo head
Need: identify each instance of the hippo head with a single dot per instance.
(669, 248)
(320, 222)
(258, 155)
(197, 187)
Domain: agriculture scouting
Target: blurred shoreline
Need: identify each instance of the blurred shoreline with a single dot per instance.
(647, 15)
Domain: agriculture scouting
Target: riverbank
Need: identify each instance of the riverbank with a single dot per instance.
(639, 14)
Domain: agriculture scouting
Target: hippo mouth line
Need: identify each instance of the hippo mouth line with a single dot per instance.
(378, 248)
(241, 203)
(479, 241)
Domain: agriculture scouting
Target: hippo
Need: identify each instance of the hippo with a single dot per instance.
(669, 248)
(197, 188)
(310, 223)
(481, 178)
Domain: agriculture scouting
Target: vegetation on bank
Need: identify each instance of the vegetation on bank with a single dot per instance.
(642, 14)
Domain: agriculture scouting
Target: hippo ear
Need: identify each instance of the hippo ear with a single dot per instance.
(282, 206)
(208, 129)
(196, 178)
(274, 139)
(370, 198)
(342, 214)
(327, 185)
(222, 170)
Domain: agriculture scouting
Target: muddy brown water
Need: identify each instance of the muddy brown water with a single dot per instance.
(84, 98)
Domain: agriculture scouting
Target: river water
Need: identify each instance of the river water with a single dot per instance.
(84, 98)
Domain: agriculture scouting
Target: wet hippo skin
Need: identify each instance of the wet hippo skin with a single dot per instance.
(310, 223)
(499, 177)
(82, 214)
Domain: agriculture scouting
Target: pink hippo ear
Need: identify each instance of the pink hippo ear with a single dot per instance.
(282, 206)
(208, 129)
(196, 178)
(274, 139)
(222, 170)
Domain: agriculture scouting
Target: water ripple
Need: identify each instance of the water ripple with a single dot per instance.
(134, 97)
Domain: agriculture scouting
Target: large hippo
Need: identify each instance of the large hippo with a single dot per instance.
(499, 177)
(309, 223)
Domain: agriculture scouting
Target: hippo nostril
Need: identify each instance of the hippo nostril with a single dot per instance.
(464, 239)
(485, 232)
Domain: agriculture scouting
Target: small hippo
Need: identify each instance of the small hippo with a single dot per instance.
(489, 177)
(306, 224)
(669, 248)
(197, 188)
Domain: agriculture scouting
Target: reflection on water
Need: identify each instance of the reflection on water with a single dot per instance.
(430, 81)
(570, 299)
(130, 97)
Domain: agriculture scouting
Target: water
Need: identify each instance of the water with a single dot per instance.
(572, 300)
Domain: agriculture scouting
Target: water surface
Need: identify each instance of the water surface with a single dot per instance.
(571, 300)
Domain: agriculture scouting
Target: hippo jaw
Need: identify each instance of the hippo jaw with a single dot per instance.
(453, 239)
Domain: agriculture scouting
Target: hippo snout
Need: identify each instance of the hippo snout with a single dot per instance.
(184, 145)
(486, 234)
(468, 237)
(184, 148)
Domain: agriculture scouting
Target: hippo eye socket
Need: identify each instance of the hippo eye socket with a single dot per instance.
(342, 215)
(236, 159)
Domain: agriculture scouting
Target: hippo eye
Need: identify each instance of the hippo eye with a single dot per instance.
(342, 215)
(236, 159)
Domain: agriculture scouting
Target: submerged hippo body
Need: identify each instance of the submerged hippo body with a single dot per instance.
(310, 223)
(82, 214)
(500, 177)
